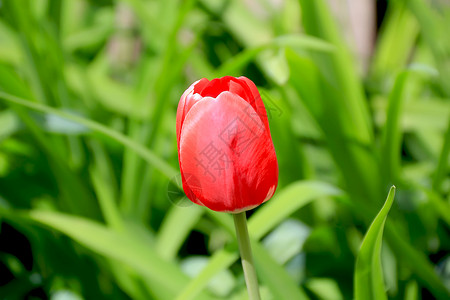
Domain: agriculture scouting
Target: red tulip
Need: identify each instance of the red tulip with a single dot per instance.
(227, 159)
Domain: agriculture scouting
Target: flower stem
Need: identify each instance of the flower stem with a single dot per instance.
(240, 223)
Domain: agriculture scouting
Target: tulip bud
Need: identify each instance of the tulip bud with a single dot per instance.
(226, 154)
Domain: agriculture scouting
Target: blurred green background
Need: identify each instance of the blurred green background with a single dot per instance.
(358, 94)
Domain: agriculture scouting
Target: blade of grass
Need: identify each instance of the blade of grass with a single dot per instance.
(324, 101)
(23, 20)
(417, 261)
(74, 194)
(146, 154)
(397, 37)
(318, 21)
(435, 33)
(106, 190)
(234, 65)
(127, 280)
(132, 168)
(144, 259)
(368, 272)
(412, 291)
(429, 115)
(218, 262)
(104, 186)
(280, 118)
(168, 67)
(441, 207)
(292, 198)
(392, 133)
(289, 200)
(345, 118)
(442, 165)
(154, 140)
(176, 226)
(281, 285)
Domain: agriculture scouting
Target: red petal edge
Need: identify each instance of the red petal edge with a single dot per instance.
(259, 104)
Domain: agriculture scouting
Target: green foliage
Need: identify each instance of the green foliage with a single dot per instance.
(90, 199)
(368, 273)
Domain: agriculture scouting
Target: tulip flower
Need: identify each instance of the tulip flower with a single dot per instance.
(227, 159)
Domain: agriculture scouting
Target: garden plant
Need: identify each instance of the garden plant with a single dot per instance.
(125, 175)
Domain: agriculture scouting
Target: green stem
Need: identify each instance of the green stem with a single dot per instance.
(240, 223)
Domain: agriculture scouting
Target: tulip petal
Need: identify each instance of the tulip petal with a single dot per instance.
(259, 104)
(231, 84)
(239, 87)
(215, 87)
(187, 100)
(187, 190)
(228, 154)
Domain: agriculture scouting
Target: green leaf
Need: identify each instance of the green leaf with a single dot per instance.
(272, 274)
(9, 123)
(221, 285)
(287, 201)
(434, 30)
(124, 247)
(412, 291)
(235, 64)
(218, 262)
(324, 288)
(111, 94)
(175, 228)
(429, 114)
(318, 21)
(396, 40)
(368, 273)
(10, 50)
(417, 261)
(325, 103)
(392, 134)
(105, 186)
(145, 153)
(442, 166)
